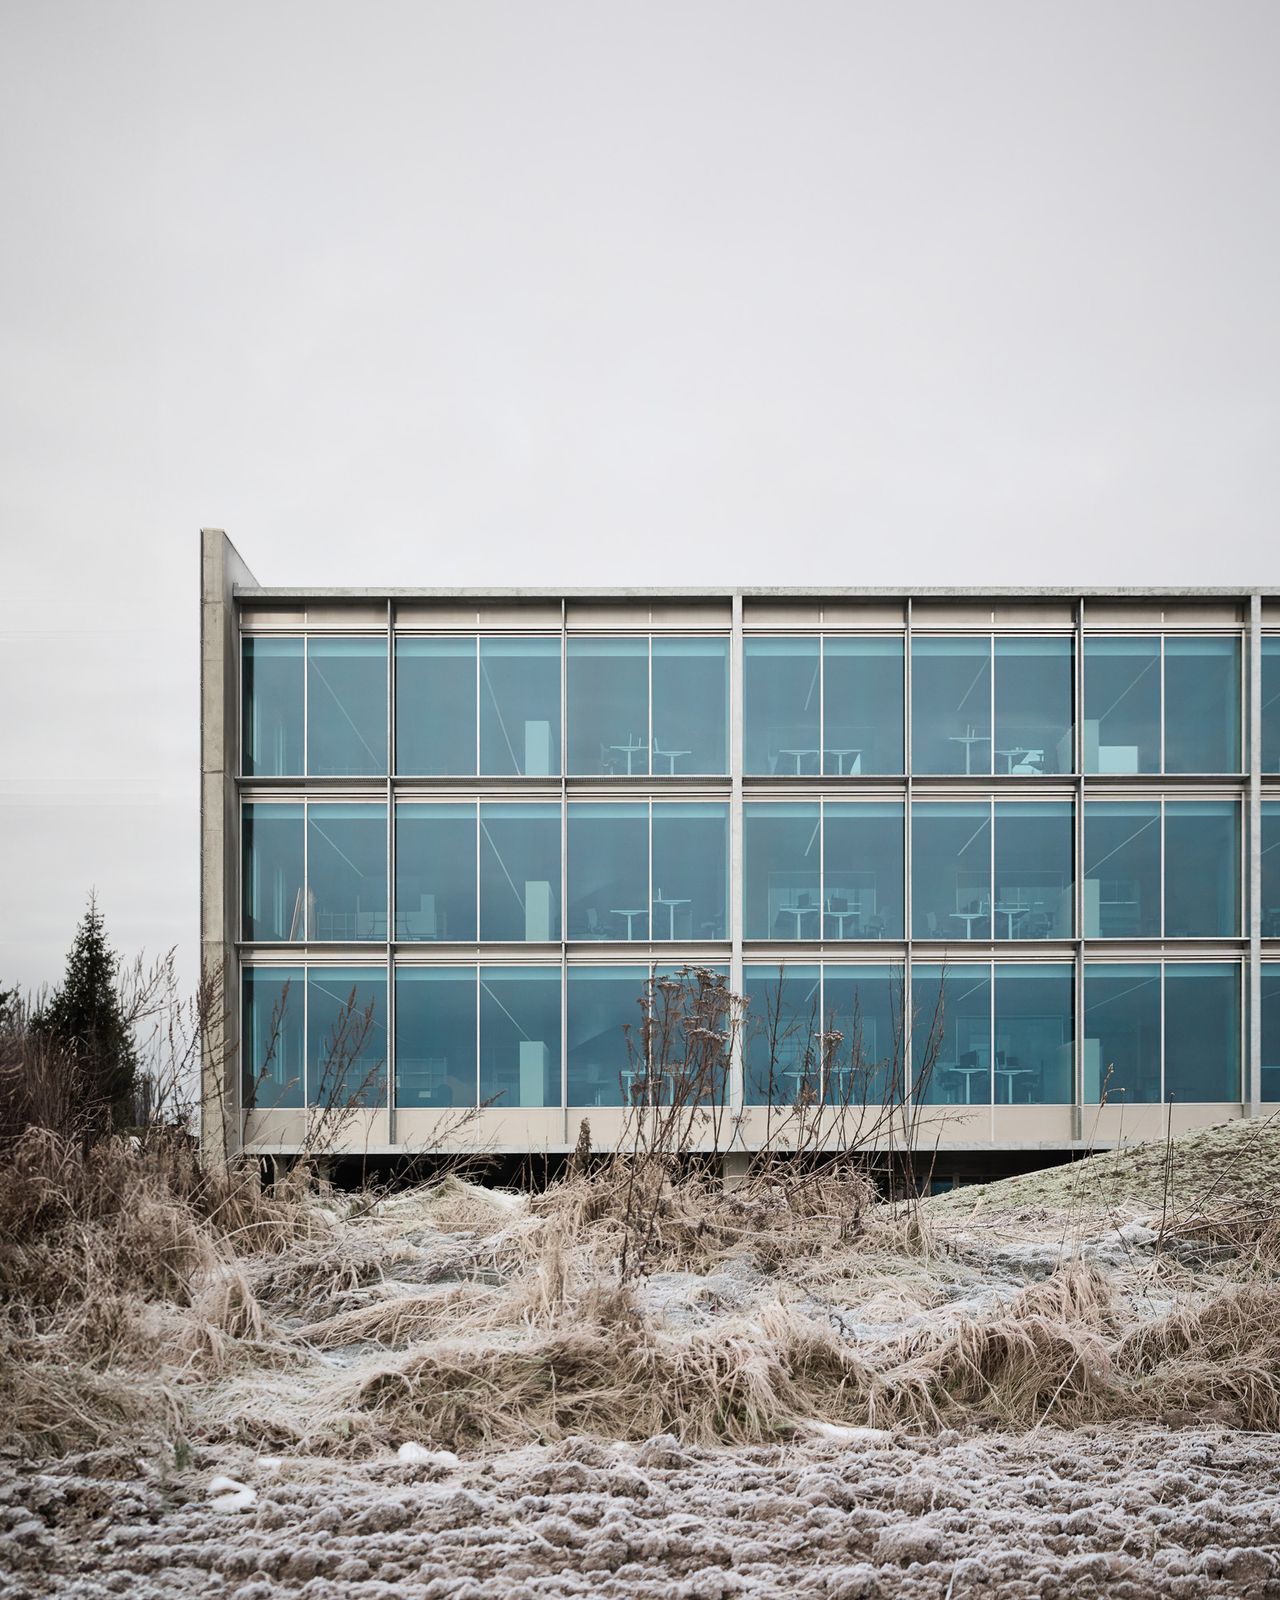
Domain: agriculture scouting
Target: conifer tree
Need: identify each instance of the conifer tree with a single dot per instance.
(86, 1020)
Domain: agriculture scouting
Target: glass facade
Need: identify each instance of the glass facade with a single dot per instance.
(550, 791)
(1270, 1007)
(1270, 846)
(435, 707)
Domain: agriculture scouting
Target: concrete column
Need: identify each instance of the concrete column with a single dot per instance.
(1252, 1088)
(735, 842)
(220, 570)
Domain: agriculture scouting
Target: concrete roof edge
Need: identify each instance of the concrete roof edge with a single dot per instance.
(1085, 592)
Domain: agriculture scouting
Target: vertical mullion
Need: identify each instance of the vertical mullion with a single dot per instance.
(908, 865)
(1162, 738)
(991, 742)
(390, 853)
(306, 705)
(564, 870)
(479, 848)
(475, 972)
(1077, 1003)
(1163, 930)
(1252, 886)
(475, 764)
(1163, 1029)
(648, 815)
(648, 755)
(822, 709)
(736, 732)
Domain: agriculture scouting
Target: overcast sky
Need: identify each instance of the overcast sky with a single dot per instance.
(548, 293)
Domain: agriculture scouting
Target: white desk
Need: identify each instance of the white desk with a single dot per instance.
(1009, 912)
(855, 760)
(798, 757)
(630, 751)
(671, 904)
(969, 1073)
(798, 912)
(1009, 1074)
(968, 918)
(628, 912)
(968, 740)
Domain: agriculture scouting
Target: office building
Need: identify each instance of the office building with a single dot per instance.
(1040, 826)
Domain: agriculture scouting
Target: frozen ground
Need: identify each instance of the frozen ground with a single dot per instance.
(1108, 1512)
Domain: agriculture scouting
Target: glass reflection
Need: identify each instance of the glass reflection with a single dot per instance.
(608, 892)
(435, 1036)
(1035, 1030)
(346, 871)
(1201, 703)
(1121, 725)
(435, 706)
(1270, 869)
(1121, 869)
(1202, 869)
(273, 1038)
(1271, 703)
(520, 707)
(864, 1066)
(1121, 1033)
(607, 689)
(781, 707)
(781, 1049)
(272, 847)
(520, 1036)
(951, 704)
(690, 871)
(862, 688)
(1034, 884)
(1034, 725)
(604, 1009)
(951, 870)
(690, 705)
(347, 707)
(951, 1035)
(436, 871)
(346, 1036)
(1202, 1031)
(862, 847)
(520, 873)
(272, 717)
(781, 871)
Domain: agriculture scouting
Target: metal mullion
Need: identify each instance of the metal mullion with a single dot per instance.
(1163, 928)
(648, 755)
(991, 742)
(822, 709)
(1163, 1029)
(476, 974)
(1253, 835)
(306, 705)
(1077, 1003)
(1162, 739)
(476, 758)
(991, 1043)
(390, 853)
(564, 870)
(475, 804)
(908, 865)
(736, 732)
(653, 938)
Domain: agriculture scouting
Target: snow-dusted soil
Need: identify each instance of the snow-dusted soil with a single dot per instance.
(1120, 1513)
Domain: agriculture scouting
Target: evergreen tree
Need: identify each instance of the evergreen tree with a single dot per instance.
(86, 1020)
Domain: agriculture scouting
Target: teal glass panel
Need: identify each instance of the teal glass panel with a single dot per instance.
(346, 707)
(951, 704)
(690, 1036)
(863, 890)
(782, 861)
(436, 871)
(1202, 1031)
(1121, 1056)
(607, 697)
(272, 843)
(272, 685)
(1202, 869)
(690, 871)
(865, 1066)
(862, 705)
(346, 871)
(951, 870)
(520, 707)
(690, 705)
(1121, 723)
(346, 1037)
(605, 1016)
(1035, 1033)
(608, 892)
(435, 1036)
(1270, 869)
(1034, 723)
(1271, 1032)
(1271, 703)
(273, 1038)
(1121, 869)
(951, 1035)
(1035, 888)
(520, 873)
(1201, 703)
(781, 705)
(781, 1047)
(520, 1036)
(435, 707)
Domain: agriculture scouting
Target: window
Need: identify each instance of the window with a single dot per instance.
(862, 679)
(864, 1066)
(781, 870)
(346, 871)
(1034, 888)
(608, 705)
(862, 851)
(608, 887)
(1202, 1031)
(520, 707)
(1202, 869)
(346, 1037)
(1034, 724)
(1121, 731)
(782, 696)
(1271, 1032)
(272, 1046)
(951, 1035)
(436, 872)
(273, 843)
(436, 707)
(435, 1036)
(951, 870)
(1270, 869)
(690, 871)
(1035, 1029)
(519, 1036)
(520, 873)
(1201, 703)
(781, 1050)
(1122, 869)
(1121, 1033)
(951, 704)
(1271, 702)
(273, 696)
(690, 704)
(604, 1007)
(347, 707)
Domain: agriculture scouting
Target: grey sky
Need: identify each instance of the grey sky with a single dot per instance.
(593, 293)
